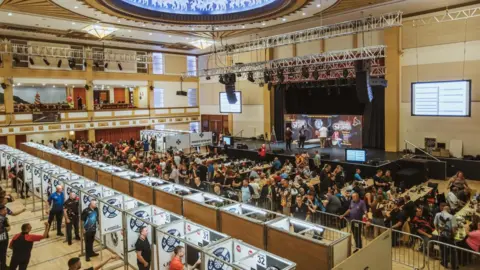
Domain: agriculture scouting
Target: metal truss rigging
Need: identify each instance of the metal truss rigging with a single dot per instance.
(317, 33)
(448, 17)
(326, 58)
(70, 53)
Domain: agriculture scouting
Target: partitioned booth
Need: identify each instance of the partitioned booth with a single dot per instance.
(195, 239)
(244, 256)
(143, 188)
(311, 246)
(121, 181)
(105, 174)
(76, 164)
(170, 197)
(90, 170)
(203, 208)
(236, 219)
(65, 160)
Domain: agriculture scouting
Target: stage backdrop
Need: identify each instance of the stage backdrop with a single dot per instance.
(343, 130)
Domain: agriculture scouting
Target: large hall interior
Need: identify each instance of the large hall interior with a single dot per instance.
(239, 134)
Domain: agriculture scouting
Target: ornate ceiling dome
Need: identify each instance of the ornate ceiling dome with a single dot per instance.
(199, 12)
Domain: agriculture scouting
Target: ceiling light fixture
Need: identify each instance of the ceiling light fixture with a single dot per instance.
(263, 24)
(99, 30)
(319, 5)
(73, 23)
(304, 13)
(150, 34)
(243, 26)
(75, 7)
(10, 14)
(202, 43)
(284, 19)
(129, 30)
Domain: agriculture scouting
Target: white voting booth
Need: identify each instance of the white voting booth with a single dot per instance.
(176, 139)
(242, 256)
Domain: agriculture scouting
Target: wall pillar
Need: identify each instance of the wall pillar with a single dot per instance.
(6, 72)
(11, 141)
(267, 101)
(91, 135)
(392, 37)
(89, 102)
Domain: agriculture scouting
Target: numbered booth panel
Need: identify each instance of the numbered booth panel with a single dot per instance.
(243, 256)
(238, 218)
(170, 197)
(143, 188)
(203, 208)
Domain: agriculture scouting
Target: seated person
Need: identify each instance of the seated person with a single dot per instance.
(357, 176)
(453, 201)
(422, 226)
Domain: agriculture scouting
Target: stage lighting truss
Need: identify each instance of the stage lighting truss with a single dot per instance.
(323, 59)
(6, 47)
(448, 16)
(367, 24)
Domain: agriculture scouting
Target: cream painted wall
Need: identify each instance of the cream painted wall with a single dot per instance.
(339, 43)
(170, 97)
(38, 137)
(312, 47)
(143, 97)
(175, 64)
(442, 54)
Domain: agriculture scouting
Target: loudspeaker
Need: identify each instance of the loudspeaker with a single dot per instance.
(364, 90)
(230, 91)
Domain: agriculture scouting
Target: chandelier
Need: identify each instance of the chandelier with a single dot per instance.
(100, 31)
(202, 43)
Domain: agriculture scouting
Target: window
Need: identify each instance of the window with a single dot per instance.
(192, 97)
(158, 64)
(192, 65)
(158, 98)
(195, 126)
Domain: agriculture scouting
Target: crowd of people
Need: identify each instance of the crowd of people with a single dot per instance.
(304, 188)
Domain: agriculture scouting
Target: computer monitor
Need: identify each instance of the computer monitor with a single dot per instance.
(228, 140)
(441, 145)
(355, 155)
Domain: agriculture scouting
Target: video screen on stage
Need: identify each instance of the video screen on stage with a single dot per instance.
(448, 98)
(355, 155)
(226, 107)
(338, 130)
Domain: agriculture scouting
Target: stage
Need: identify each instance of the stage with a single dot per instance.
(334, 153)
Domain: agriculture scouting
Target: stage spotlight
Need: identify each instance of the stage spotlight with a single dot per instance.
(345, 73)
(280, 75)
(120, 66)
(250, 77)
(208, 78)
(270, 85)
(328, 71)
(31, 61)
(106, 65)
(85, 63)
(316, 74)
(220, 79)
(16, 59)
(266, 76)
(59, 64)
(96, 64)
(239, 74)
(1, 60)
(305, 72)
(45, 60)
(4, 86)
(261, 84)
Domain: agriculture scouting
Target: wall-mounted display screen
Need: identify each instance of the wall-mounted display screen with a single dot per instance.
(355, 155)
(226, 107)
(447, 98)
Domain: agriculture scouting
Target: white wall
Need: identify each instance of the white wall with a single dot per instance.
(38, 137)
(170, 89)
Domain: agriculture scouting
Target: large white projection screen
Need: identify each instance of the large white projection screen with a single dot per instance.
(447, 98)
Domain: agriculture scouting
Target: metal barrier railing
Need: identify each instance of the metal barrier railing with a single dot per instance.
(408, 249)
(443, 255)
(330, 220)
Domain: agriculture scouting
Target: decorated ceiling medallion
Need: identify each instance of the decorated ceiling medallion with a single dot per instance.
(99, 30)
(202, 43)
(200, 7)
(198, 12)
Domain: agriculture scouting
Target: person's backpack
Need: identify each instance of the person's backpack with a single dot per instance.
(445, 226)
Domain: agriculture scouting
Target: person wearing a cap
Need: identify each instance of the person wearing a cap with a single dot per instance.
(4, 229)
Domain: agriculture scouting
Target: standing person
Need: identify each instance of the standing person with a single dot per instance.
(446, 226)
(299, 210)
(288, 139)
(4, 229)
(56, 201)
(90, 220)
(79, 103)
(176, 262)
(153, 143)
(285, 193)
(355, 212)
(317, 161)
(302, 138)
(22, 245)
(247, 192)
(323, 136)
(174, 175)
(144, 252)
(71, 217)
(76, 264)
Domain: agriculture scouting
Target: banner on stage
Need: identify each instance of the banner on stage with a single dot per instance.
(340, 130)
(177, 141)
